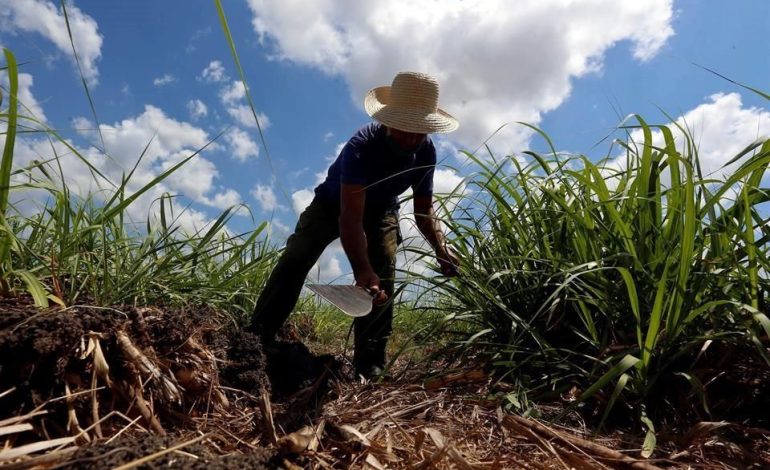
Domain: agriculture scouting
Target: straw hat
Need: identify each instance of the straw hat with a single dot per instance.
(410, 104)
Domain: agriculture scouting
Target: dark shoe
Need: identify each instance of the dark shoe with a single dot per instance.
(373, 373)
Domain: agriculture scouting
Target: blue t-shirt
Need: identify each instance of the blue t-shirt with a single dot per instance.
(370, 159)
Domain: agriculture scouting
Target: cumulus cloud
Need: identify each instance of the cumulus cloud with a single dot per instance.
(232, 93)
(126, 139)
(265, 196)
(197, 109)
(721, 127)
(278, 230)
(214, 72)
(170, 141)
(194, 179)
(164, 80)
(44, 18)
(496, 62)
(82, 183)
(301, 199)
(332, 266)
(28, 104)
(447, 181)
(226, 199)
(243, 115)
(82, 125)
(232, 97)
(241, 145)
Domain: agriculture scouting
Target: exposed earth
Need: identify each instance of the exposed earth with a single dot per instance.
(88, 387)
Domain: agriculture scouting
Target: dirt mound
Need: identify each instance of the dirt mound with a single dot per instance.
(292, 368)
(148, 373)
(245, 369)
(94, 370)
(37, 347)
(163, 353)
(285, 368)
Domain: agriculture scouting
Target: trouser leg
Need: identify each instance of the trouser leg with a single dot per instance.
(316, 228)
(372, 331)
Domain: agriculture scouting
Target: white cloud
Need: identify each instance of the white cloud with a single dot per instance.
(446, 181)
(245, 117)
(214, 72)
(266, 197)
(720, 127)
(28, 104)
(226, 199)
(232, 97)
(82, 125)
(126, 139)
(301, 199)
(197, 36)
(171, 141)
(197, 109)
(164, 80)
(332, 266)
(241, 145)
(194, 179)
(44, 18)
(278, 230)
(232, 93)
(496, 63)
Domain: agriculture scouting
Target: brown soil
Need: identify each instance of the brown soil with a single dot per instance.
(192, 372)
(225, 383)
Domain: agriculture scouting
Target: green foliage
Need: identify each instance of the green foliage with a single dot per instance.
(83, 250)
(8, 240)
(608, 275)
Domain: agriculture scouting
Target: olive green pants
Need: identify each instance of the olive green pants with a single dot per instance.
(316, 228)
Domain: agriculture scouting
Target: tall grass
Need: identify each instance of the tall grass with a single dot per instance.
(85, 249)
(610, 277)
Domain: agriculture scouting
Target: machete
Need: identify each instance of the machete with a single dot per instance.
(352, 300)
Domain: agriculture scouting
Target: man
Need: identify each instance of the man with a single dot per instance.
(358, 202)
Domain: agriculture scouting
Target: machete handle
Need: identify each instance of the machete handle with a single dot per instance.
(378, 298)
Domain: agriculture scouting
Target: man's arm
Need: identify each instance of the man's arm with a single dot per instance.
(353, 238)
(430, 229)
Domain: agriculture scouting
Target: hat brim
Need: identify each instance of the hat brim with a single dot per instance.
(404, 119)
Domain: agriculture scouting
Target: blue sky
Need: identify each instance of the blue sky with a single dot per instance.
(164, 69)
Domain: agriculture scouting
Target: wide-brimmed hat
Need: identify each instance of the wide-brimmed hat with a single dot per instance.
(410, 104)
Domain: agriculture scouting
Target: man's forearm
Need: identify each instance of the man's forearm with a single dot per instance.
(429, 227)
(353, 241)
(431, 230)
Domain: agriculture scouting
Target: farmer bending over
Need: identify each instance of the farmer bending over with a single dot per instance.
(358, 202)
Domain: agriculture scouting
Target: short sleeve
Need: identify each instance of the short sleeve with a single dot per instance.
(352, 167)
(422, 185)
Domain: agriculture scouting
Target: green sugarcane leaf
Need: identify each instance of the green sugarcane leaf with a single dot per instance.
(622, 366)
(34, 287)
(650, 441)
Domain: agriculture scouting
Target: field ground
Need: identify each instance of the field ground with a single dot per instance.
(88, 387)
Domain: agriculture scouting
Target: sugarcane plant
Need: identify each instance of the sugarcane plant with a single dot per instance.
(607, 277)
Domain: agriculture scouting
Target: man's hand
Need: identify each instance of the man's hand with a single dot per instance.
(448, 261)
(352, 203)
(370, 281)
(430, 229)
